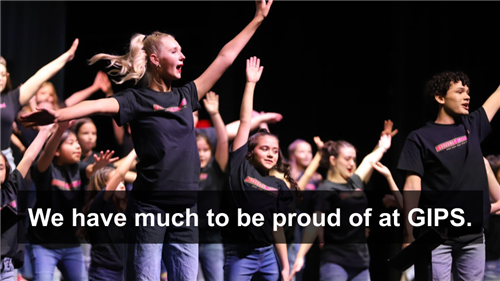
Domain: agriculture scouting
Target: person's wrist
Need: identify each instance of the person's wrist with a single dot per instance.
(214, 113)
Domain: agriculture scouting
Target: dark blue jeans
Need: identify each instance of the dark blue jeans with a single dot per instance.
(104, 274)
(145, 252)
(212, 261)
(243, 262)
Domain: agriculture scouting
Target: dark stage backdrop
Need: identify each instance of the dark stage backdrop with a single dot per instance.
(333, 69)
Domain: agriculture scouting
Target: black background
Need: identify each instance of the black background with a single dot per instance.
(333, 69)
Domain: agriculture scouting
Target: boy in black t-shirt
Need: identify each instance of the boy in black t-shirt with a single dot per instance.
(443, 160)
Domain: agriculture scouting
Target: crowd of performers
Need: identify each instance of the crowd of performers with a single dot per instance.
(161, 149)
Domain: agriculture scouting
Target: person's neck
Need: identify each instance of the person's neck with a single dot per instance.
(445, 118)
(160, 85)
(335, 177)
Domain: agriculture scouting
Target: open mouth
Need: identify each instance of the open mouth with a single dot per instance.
(349, 170)
(179, 68)
(465, 106)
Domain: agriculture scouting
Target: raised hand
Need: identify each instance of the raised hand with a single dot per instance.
(211, 103)
(262, 8)
(388, 129)
(71, 52)
(385, 142)
(381, 169)
(104, 159)
(63, 126)
(254, 69)
(102, 82)
(319, 143)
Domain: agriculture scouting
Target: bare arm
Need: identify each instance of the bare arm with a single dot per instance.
(85, 108)
(494, 187)
(221, 151)
(492, 104)
(119, 174)
(230, 51)
(411, 196)
(392, 184)
(50, 149)
(33, 150)
(310, 234)
(365, 168)
(30, 87)
(281, 249)
(268, 117)
(313, 166)
(17, 142)
(254, 71)
(100, 161)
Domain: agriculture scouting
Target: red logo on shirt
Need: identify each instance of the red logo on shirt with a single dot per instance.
(3, 105)
(260, 186)
(66, 186)
(203, 176)
(447, 145)
(172, 108)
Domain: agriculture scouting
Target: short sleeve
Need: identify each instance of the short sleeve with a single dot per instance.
(411, 157)
(128, 107)
(191, 92)
(41, 180)
(356, 182)
(11, 187)
(14, 100)
(237, 157)
(479, 123)
(285, 198)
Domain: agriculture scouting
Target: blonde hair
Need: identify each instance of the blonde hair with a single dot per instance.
(134, 64)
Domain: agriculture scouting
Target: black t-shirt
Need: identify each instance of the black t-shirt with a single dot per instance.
(212, 182)
(164, 140)
(60, 188)
(108, 243)
(253, 193)
(9, 106)
(345, 244)
(449, 160)
(11, 221)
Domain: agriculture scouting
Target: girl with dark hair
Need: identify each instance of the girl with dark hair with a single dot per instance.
(12, 252)
(11, 101)
(106, 194)
(59, 178)
(345, 254)
(161, 120)
(249, 250)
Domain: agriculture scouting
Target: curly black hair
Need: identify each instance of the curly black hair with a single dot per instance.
(441, 83)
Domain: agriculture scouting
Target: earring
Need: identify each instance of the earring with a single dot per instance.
(159, 66)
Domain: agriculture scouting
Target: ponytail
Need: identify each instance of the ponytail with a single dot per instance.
(134, 64)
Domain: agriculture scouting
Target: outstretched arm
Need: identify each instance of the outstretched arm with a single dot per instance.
(313, 166)
(30, 87)
(82, 95)
(254, 71)
(119, 174)
(494, 187)
(492, 104)
(392, 184)
(221, 151)
(101, 161)
(33, 150)
(231, 50)
(267, 117)
(365, 168)
(45, 116)
(50, 149)
(310, 234)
